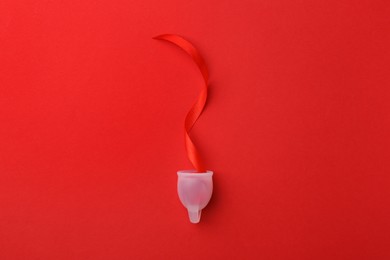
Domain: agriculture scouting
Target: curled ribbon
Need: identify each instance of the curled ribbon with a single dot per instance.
(197, 108)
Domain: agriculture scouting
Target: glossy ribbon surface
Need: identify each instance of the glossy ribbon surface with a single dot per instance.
(197, 108)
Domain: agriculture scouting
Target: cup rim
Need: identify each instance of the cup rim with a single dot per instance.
(194, 172)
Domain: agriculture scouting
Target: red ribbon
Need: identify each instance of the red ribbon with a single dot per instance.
(197, 108)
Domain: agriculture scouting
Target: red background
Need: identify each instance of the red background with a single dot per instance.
(296, 129)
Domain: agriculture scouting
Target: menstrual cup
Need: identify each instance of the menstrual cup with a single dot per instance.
(195, 190)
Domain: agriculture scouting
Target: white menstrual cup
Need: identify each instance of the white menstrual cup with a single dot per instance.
(195, 190)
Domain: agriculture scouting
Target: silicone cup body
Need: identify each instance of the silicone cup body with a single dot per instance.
(195, 190)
